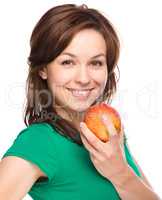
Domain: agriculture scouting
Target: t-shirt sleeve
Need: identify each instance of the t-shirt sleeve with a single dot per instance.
(129, 157)
(35, 144)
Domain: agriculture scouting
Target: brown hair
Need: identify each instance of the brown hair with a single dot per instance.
(51, 35)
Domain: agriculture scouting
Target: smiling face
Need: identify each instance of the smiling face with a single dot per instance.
(77, 77)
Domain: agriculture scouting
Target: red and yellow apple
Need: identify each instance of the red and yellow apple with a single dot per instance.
(93, 120)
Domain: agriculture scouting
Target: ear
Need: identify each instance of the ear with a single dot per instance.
(43, 73)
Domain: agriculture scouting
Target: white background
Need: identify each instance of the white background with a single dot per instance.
(139, 92)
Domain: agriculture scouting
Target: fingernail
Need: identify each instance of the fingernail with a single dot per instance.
(104, 118)
(81, 124)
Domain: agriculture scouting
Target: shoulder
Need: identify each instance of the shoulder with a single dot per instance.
(36, 144)
(36, 130)
(34, 138)
(38, 127)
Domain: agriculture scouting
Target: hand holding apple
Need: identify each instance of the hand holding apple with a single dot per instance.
(93, 119)
(108, 157)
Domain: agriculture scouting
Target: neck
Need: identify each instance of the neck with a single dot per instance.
(73, 117)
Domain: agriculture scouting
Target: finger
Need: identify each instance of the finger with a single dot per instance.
(90, 148)
(122, 139)
(118, 139)
(109, 125)
(114, 138)
(122, 135)
(91, 138)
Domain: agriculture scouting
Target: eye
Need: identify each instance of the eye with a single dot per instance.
(97, 63)
(67, 62)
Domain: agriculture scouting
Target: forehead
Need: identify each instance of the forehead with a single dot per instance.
(87, 41)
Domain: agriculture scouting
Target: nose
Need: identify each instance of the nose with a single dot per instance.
(83, 76)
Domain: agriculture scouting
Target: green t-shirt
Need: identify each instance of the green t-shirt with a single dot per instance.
(71, 174)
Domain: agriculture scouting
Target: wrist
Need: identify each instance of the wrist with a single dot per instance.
(123, 178)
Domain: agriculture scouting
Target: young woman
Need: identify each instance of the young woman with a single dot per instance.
(74, 52)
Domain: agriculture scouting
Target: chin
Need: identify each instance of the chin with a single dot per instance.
(80, 106)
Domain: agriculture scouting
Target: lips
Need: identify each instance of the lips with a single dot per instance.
(79, 89)
(81, 94)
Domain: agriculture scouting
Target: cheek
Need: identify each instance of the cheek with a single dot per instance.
(101, 78)
(58, 78)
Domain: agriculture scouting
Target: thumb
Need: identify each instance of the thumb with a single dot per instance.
(109, 125)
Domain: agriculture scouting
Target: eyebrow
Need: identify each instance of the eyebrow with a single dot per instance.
(72, 55)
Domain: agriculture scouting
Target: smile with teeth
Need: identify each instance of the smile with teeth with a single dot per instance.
(80, 93)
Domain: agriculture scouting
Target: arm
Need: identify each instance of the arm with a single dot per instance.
(17, 177)
(143, 176)
(141, 172)
(131, 187)
(110, 155)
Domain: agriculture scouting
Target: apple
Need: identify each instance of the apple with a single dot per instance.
(93, 120)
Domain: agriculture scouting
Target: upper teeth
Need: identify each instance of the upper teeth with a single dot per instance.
(80, 92)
